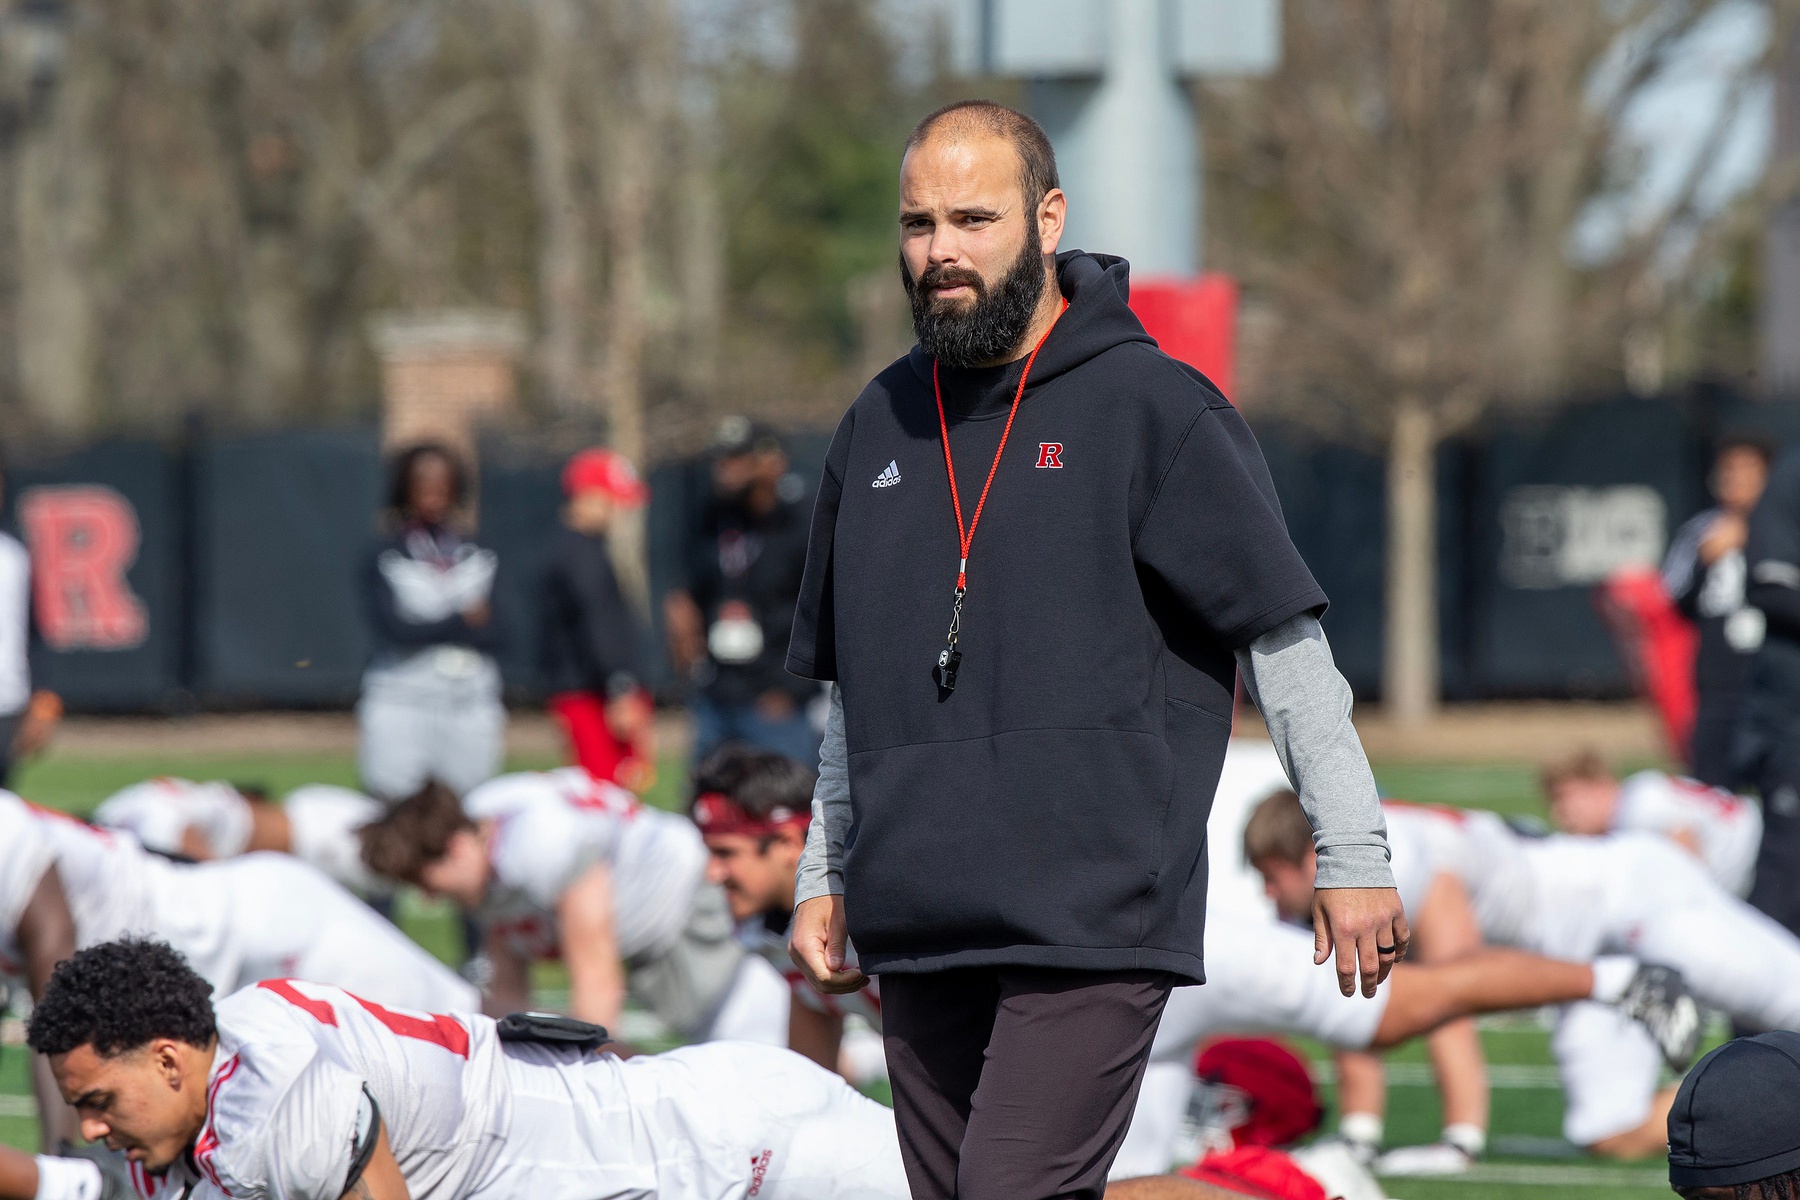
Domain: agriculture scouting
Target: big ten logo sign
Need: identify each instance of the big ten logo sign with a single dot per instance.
(83, 539)
(1574, 536)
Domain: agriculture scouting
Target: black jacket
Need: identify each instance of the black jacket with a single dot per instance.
(1051, 811)
(1772, 708)
(1709, 596)
(397, 633)
(756, 560)
(590, 635)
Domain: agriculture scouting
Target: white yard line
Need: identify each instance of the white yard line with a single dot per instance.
(1500, 1075)
(1557, 1175)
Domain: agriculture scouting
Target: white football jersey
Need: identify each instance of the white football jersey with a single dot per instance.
(114, 887)
(323, 822)
(159, 811)
(1478, 848)
(1727, 828)
(105, 873)
(549, 827)
(1412, 854)
(470, 1118)
(285, 1102)
(1252, 772)
(235, 921)
(25, 854)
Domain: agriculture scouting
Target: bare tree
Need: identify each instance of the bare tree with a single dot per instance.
(1404, 192)
(59, 216)
(209, 200)
(644, 55)
(225, 190)
(1781, 254)
(563, 214)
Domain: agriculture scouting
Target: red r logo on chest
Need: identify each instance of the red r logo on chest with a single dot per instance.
(1050, 455)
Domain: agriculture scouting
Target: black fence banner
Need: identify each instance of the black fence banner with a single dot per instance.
(224, 572)
(283, 522)
(521, 509)
(1558, 507)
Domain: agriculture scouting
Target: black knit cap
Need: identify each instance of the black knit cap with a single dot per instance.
(1737, 1116)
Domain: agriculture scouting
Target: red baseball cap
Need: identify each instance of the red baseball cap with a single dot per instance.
(599, 470)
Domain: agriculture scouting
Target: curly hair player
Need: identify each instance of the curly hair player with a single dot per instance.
(558, 863)
(297, 1091)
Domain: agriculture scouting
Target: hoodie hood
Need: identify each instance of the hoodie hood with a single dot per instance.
(1099, 317)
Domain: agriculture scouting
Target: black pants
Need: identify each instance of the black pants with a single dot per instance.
(1016, 1083)
(1777, 888)
(1709, 757)
(9, 732)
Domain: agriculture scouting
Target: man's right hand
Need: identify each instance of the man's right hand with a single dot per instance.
(817, 946)
(1728, 532)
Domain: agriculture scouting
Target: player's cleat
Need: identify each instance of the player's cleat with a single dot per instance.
(1658, 998)
(1363, 1153)
(1435, 1159)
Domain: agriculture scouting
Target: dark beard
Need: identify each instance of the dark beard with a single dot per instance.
(988, 328)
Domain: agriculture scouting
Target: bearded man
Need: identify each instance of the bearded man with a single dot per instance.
(1042, 550)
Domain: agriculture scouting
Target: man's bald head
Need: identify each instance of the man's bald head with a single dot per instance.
(983, 118)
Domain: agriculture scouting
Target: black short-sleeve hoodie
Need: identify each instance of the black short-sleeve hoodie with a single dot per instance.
(1051, 810)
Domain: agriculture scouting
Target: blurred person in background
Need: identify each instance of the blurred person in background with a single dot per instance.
(1720, 829)
(560, 865)
(318, 822)
(590, 641)
(239, 920)
(728, 630)
(26, 717)
(430, 706)
(1766, 744)
(1704, 573)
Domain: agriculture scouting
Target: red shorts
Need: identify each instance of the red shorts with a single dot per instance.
(592, 744)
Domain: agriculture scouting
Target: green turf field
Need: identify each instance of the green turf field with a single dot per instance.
(1527, 1161)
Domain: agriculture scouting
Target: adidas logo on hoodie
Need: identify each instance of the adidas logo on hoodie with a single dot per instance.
(889, 477)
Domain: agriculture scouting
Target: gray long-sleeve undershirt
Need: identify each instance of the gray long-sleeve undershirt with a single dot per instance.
(1305, 703)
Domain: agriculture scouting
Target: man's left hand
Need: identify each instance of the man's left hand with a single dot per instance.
(1367, 927)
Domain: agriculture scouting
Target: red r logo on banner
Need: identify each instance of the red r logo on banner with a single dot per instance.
(82, 540)
(1050, 455)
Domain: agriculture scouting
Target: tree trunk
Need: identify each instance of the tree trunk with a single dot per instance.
(628, 152)
(700, 251)
(1780, 316)
(60, 213)
(562, 224)
(1409, 669)
(271, 326)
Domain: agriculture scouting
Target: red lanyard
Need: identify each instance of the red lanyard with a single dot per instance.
(950, 656)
